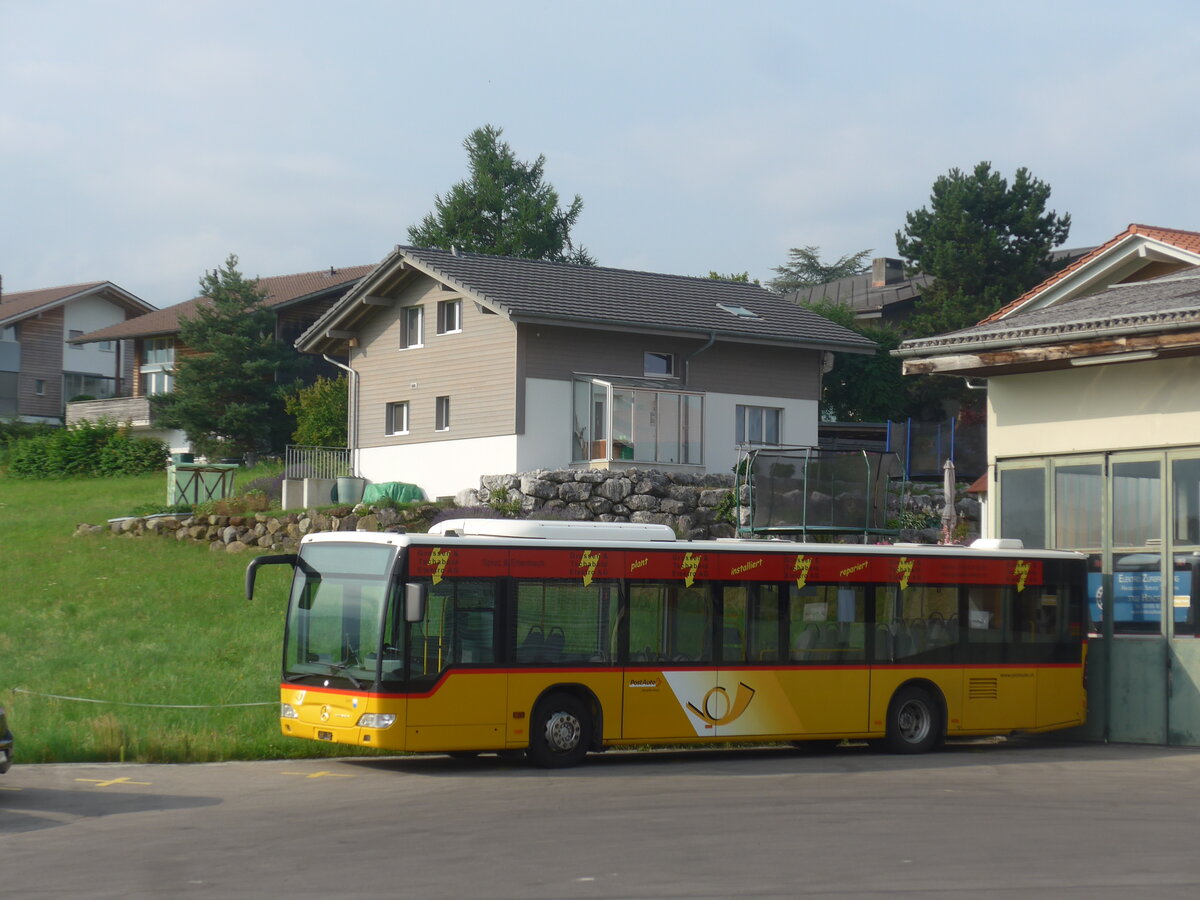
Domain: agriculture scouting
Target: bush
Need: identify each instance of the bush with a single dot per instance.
(85, 449)
(321, 412)
(270, 486)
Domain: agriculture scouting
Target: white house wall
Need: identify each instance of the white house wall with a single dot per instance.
(85, 315)
(798, 427)
(1089, 408)
(449, 466)
(441, 469)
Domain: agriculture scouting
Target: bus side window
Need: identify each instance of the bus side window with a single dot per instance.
(985, 614)
(828, 623)
(564, 622)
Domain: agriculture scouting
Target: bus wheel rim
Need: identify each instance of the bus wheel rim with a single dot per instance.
(563, 732)
(914, 721)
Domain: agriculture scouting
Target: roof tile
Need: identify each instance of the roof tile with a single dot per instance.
(622, 298)
(280, 289)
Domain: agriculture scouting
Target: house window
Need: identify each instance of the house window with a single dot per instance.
(442, 422)
(616, 422)
(158, 351)
(1134, 514)
(658, 365)
(397, 418)
(759, 424)
(157, 381)
(449, 314)
(9, 333)
(106, 346)
(156, 371)
(75, 333)
(93, 387)
(412, 331)
(39, 387)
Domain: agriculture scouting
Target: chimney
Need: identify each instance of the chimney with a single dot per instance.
(885, 271)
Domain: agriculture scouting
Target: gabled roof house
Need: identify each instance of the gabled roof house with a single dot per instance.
(1094, 446)
(40, 369)
(466, 365)
(297, 300)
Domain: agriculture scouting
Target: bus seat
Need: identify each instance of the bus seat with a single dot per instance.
(938, 633)
(805, 642)
(556, 639)
(531, 648)
(883, 643)
(917, 634)
(732, 644)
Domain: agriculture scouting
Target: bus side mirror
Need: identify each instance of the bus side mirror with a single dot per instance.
(414, 601)
(252, 569)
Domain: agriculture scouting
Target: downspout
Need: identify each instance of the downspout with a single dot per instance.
(351, 408)
(687, 362)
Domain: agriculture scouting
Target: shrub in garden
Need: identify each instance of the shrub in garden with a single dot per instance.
(85, 449)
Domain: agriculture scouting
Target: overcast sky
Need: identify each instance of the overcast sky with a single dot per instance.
(142, 142)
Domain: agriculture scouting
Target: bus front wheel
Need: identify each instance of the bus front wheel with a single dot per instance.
(914, 722)
(561, 732)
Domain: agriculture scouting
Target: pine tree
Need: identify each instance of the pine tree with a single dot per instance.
(984, 242)
(504, 208)
(804, 268)
(230, 381)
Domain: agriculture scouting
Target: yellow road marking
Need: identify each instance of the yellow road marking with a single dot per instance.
(321, 774)
(9, 789)
(99, 782)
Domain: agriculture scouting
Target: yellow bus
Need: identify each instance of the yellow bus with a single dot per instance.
(560, 638)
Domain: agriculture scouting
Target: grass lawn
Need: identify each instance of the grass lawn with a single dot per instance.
(132, 621)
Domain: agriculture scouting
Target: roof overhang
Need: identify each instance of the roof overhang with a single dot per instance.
(107, 290)
(1014, 359)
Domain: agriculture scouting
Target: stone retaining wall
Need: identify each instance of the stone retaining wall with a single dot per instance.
(686, 502)
(279, 532)
(695, 506)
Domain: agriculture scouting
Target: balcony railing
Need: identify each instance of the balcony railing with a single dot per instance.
(135, 410)
(317, 462)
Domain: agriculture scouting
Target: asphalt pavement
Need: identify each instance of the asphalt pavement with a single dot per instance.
(984, 819)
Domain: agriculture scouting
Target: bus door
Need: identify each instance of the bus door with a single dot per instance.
(750, 698)
(670, 672)
(828, 684)
(457, 697)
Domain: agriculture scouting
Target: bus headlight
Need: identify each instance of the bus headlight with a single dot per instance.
(286, 711)
(376, 720)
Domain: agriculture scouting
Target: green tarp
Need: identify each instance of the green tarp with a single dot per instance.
(396, 491)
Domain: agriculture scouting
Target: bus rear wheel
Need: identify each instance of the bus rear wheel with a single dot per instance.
(561, 732)
(914, 723)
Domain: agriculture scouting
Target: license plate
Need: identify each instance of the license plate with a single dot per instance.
(324, 735)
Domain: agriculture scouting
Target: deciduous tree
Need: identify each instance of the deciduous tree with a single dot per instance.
(321, 412)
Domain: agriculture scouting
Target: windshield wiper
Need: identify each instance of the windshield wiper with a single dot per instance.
(340, 669)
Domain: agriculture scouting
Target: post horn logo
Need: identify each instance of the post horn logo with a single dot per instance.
(716, 708)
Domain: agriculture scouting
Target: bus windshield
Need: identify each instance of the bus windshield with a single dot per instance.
(334, 613)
